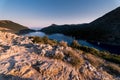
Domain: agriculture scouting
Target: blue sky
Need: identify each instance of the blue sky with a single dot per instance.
(40, 13)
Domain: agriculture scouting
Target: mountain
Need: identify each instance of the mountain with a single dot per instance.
(9, 26)
(105, 29)
(35, 58)
(71, 30)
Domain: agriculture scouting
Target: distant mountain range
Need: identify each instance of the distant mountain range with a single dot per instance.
(105, 29)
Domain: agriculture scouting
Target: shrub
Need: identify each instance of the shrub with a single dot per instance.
(88, 49)
(84, 48)
(62, 43)
(72, 54)
(110, 57)
(52, 42)
(75, 60)
(94, 60)
(75, 44)
(58, 56)
(36, 39)
(44, 40)
(102, 54)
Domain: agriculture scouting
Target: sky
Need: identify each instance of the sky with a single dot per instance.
(42, 13)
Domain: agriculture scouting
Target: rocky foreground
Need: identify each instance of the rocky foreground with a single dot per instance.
(21, 59)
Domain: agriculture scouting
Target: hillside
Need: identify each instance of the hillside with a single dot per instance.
(107, 27)
(104, 29)
(35, 58)
(9, 26)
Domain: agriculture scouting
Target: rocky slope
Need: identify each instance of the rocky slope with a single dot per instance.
(9, 26)
(105, 29)
(21, 59)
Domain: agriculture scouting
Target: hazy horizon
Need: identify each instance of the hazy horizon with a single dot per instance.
(42, 13)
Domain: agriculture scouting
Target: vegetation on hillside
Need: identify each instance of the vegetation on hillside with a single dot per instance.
(74, 58)
(102, 54)
(44, 40)
(94, 56)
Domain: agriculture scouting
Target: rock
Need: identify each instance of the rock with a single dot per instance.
(48, 47)
(81, 70)
(43, 52)
(21, 60)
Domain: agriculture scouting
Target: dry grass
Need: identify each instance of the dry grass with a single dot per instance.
(75, 44)
(62, 43)
(59, 56)
(44, 40)
(75, 59)
(94, 56)
(102, 54)
(95, 61)
(111, 68)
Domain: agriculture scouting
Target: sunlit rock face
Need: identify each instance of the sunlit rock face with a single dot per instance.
(21, 59)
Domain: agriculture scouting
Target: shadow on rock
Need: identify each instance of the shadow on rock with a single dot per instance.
(11, 77)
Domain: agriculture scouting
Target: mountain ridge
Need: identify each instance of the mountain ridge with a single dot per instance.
(10, 26)
(104, 29)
